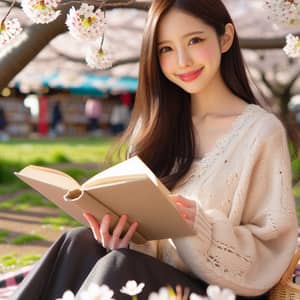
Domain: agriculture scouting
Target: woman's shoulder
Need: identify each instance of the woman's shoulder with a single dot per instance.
(266, 122)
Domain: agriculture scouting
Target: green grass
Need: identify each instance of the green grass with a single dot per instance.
(12, 187)
(24, 201)
(13, 261)
(61, 220)
(298, 213)
(90, 149)
(295, 167)
(296, 190)
(3, 236)
(60, 157)
(8, 260)
(26, 239)
(80, 174)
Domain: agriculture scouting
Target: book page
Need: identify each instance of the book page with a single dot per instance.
(131, 169)
(48, 175)
(111, 180)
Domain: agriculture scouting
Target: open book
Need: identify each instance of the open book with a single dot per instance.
(129, 188)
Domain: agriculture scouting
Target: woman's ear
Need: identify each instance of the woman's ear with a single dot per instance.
(227, 38)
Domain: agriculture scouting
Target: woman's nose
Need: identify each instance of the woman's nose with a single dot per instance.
(184, 59)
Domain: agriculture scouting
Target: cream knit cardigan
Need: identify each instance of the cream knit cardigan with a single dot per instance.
(246, 226)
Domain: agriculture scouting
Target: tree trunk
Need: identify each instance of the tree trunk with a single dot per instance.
(32, 41)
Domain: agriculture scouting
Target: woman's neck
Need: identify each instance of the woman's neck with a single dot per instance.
(215, 99)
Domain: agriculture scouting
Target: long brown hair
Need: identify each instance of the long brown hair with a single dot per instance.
(161, 129)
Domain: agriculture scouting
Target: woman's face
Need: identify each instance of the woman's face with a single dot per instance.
(189, 51)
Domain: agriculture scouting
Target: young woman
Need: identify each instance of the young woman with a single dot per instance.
(198, 126)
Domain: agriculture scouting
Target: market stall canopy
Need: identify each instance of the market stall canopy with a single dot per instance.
(91, 84)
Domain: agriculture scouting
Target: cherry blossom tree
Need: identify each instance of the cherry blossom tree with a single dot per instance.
(51, 18)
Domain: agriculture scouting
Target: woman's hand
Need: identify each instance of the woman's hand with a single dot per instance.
(102, 234)
(186, 208)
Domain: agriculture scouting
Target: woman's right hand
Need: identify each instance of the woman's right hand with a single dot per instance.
(108, 240)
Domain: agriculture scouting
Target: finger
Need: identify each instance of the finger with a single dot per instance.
(178, 292)
(191, 223)
(187, 213)
(120, 226)
(186, 293)
(177, 203)
(118, 231)
(104, 231)
(184, 201)
(129, 234)
(94, 224)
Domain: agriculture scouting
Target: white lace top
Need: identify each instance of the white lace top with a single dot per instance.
(246, 224)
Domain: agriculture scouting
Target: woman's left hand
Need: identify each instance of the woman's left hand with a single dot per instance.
(186, 208)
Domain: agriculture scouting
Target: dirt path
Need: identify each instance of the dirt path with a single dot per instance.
(28, 222)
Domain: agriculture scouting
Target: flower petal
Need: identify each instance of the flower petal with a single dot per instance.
(213, 291)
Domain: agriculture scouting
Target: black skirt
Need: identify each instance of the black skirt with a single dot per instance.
(76, 259)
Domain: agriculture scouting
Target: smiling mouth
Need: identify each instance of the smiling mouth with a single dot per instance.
(187, 77)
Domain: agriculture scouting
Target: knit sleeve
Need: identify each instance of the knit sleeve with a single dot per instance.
(251, 256)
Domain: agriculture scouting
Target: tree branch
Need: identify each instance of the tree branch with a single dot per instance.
(17, 4)
(264, 79)
(261, 43)
(116, 63)
(110, 4)
(292, 81)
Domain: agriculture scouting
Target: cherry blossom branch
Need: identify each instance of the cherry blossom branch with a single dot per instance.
(110, 4)
(8, 12)
(118, 62)
(263, 43)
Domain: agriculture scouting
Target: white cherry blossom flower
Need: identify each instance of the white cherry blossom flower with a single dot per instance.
(216, 293)
(292, 48)
(132, 288)
(96, 292)
(284, 12)
(98, 58)
(9, 29)
(194, 296)
(163, 294)
(41, 11)
(68, 295)
(85, 23)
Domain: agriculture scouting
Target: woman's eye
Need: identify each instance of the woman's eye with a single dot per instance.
(164, 50)
(195, 40)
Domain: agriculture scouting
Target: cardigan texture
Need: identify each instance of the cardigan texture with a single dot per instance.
(246, 225)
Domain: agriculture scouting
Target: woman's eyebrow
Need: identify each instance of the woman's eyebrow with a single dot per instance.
(184, 36)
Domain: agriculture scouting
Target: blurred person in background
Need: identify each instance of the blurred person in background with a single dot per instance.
(3, 123)
(57, 126)
(93, 110)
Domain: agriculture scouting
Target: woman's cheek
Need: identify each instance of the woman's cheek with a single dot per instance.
(203, 54)
(167, 64)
